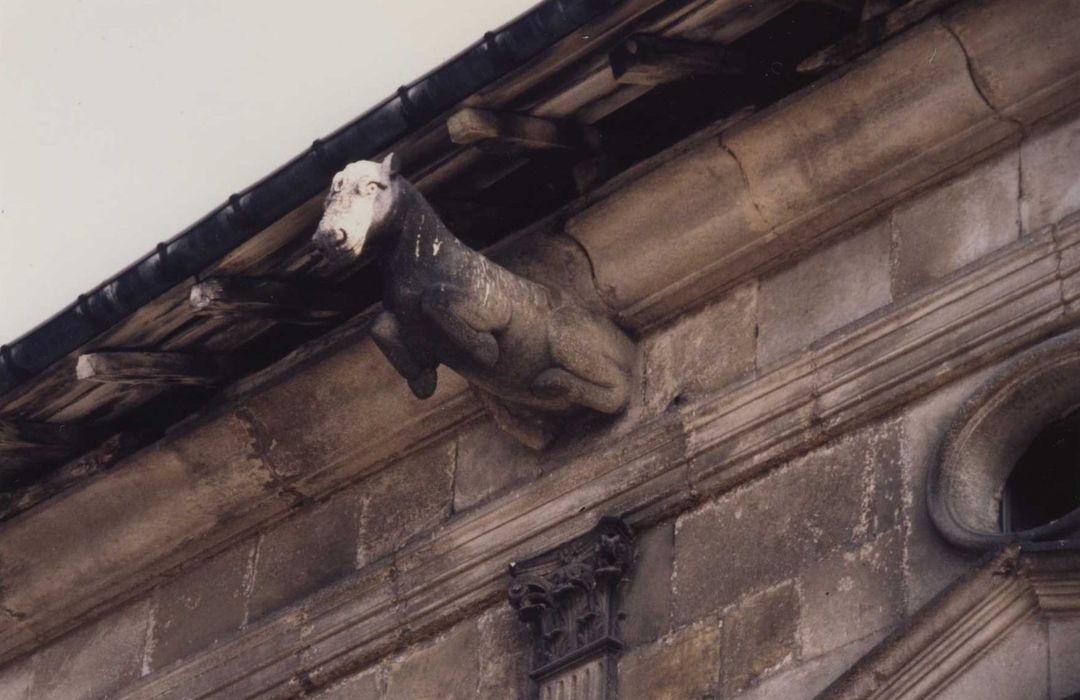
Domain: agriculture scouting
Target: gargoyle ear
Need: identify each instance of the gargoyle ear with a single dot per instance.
(391, 165)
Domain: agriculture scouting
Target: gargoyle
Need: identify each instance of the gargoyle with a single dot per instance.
(532, 352)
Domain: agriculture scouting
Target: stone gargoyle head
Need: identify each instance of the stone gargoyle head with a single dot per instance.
(358, 207)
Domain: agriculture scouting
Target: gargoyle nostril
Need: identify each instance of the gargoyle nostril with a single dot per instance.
(330, 238)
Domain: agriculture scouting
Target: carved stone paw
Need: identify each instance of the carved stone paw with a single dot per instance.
(486, 350)
(551, 384)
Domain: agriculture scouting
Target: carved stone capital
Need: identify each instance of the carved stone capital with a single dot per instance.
(569, 596)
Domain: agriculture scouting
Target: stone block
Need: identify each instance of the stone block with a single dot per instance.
(344, 409)
(955, 224)
(200, 606)
(851, 595)
(1013, 669)
(1064, 638)
(683, 665)
(504, 649)
(408, 497)
(1051, 179)
(638, 248)
(313, 548)
(702, 351)
(99, 536)
(445, 669)
(1023, 55)
(760, 634)
(366, 685)
(930, 563)
(763, 533)
(489, 461)
(827, 290)
(96, 660)
(647, 601)
(808, 678)
(16, 680)
(863, 135)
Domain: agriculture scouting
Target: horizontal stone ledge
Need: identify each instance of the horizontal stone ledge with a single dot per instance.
(967, 322)
(830, 156)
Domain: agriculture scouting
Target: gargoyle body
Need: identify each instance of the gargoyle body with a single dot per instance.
(532, 352)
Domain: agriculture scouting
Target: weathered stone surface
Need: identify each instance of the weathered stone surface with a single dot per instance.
(1064, 638)
(204, 480)
(851, 595)
(823, 292)
(409, 497)
(445, 669)
(848, 137)
(805, 680)
(843, 493)
(1014, 669)
(715, 217)
(702, 351)
(1051, 183)
(504, 648)
(366, 685)
(16, 680)
(313, 548)
(760, 634)
(200, 606)
(96, 660)
(1024, 76)
(489, 461)
(647, 600)
(930, 563)
(682, 665)
(956, 224)
(338, 431)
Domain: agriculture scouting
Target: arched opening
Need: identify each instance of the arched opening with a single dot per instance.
(1045, 483)
(1009, 466)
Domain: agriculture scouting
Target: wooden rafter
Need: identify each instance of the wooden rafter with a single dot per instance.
(123, 367)
(654, 60)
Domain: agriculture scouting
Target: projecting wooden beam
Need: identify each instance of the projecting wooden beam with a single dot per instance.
(120, 367)
(508, 133)
(655, 60)
(24, 444)
(870, 34)
(266, 299)
(40, 437)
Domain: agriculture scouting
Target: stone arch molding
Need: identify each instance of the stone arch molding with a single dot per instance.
(990, 433)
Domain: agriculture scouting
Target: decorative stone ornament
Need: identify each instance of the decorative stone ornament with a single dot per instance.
(532, 352)
(569, 596)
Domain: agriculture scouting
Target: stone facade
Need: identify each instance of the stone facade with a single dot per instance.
(815, 300)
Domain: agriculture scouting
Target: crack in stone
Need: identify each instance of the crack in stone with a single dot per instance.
(13, 614)
(975, 82)
(258, 439)
(592, 272)
(746, 180)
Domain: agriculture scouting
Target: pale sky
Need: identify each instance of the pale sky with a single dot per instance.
(124, 121)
